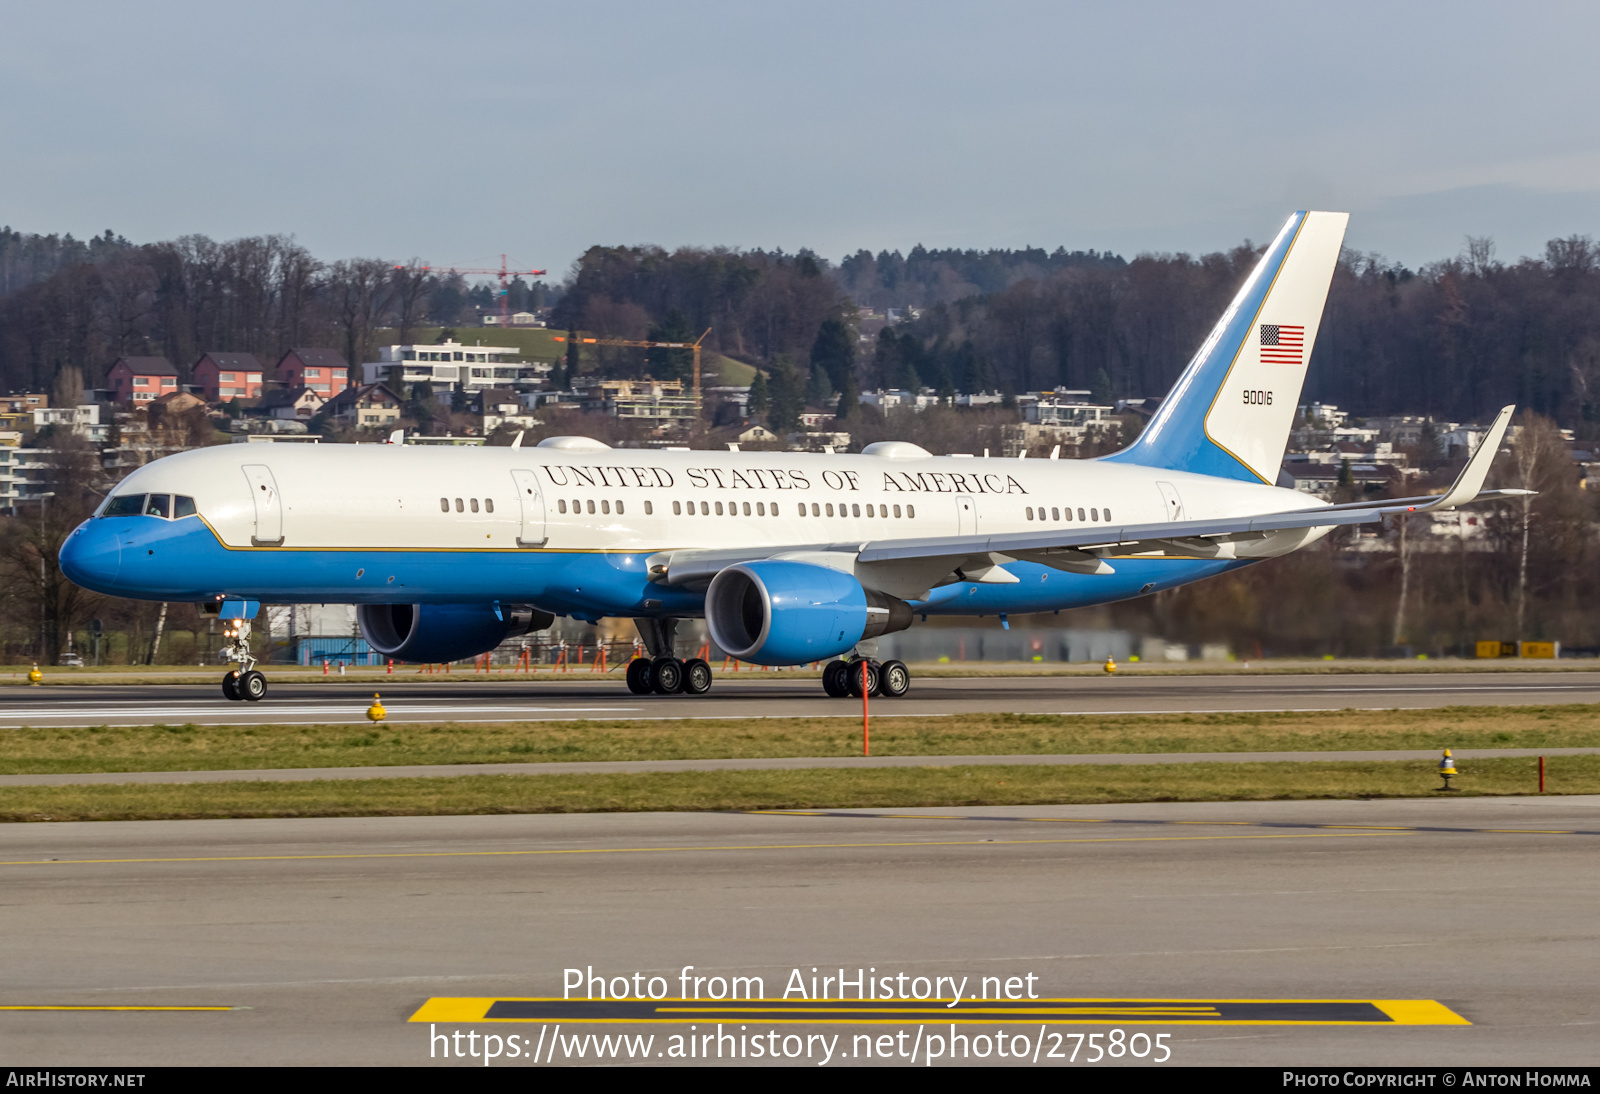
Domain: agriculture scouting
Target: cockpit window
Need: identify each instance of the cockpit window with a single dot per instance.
(167, 506)
(127, 505)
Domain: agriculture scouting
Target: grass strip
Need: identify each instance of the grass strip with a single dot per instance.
(811, 788)
(190, 747)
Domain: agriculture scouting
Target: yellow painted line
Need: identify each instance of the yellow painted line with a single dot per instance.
(45, 1006)
(1419, 1012)
(658, 850)
(1530, 831)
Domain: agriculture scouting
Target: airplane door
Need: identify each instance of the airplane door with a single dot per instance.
(1169, 497)
(531, 501)
(269, 506)
(966, 517)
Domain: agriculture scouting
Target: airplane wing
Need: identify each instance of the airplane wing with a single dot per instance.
(1080, 550)
(1077, 549)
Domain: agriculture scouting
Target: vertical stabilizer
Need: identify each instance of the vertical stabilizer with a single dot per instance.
(1231, 411)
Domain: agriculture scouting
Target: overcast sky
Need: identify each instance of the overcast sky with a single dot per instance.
(456, 132)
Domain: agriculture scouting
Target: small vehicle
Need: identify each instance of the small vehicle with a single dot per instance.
(71, 660)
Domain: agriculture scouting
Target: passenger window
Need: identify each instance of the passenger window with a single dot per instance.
(1030, 512)
(747, 509)
(855, 510)
(444, 505)
(705, 509)
(561, 505)
(677, 508)
(1108, 514)
(761, 509)
(1080, 514)
(488, 505)
(774, 508)
(896, 512)
(816, 510)
(160, 505)
(460, 508)
(183, 507)
(649, 508)
(1068, 511)
(474, 505)
(869, 509)
(605, 507)
(591, 508)
(128, 505)
(1094, 514)
(619, 508)
(719, 508)
(911, 510)
(1055, 514)
(830, 508)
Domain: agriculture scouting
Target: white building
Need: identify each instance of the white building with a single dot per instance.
(453, 366)
(84, 420)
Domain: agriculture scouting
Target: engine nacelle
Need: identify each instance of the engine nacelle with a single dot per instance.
(445, 632)
(788, 613)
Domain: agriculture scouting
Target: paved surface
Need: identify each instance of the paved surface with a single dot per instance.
(332, 932)
(733, 697)
(786, 763)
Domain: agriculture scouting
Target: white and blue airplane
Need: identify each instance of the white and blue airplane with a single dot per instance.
(790, 557)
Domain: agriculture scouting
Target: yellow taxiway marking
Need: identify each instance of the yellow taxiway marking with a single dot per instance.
(660, 850)
(1124, 1011)
(47, 1006)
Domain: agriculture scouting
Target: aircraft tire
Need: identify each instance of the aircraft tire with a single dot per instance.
(640, 677)
(230, 687)
(894, 679)
(667, 675)
(874, 675)
(696, 677)
(253, 686)
(835, 679)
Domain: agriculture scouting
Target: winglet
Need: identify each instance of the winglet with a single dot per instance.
(1470, 481)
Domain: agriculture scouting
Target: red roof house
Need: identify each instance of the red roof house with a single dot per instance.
(225, 376)
(141, 379)
(324, 371)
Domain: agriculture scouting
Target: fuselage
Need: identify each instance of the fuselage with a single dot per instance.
(571, 530)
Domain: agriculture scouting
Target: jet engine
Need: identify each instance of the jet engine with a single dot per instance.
(786, 613)
(445, 632)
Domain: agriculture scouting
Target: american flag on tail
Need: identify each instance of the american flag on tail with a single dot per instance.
(1282, 344)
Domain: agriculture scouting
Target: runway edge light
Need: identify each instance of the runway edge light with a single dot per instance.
(376, 712)
(1447, 768)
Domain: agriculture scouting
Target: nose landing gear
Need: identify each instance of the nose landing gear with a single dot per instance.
(245, 682)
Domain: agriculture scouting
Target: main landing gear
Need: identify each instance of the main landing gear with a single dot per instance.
(842, 679)
(668, 676)
(245, 682)
(661, 673)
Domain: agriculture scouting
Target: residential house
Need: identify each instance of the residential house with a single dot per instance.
(296, 404)
(323, 371)
(84, 420)
(452, 366)
(370, 406)
(141, 379)
(22, 402)
(502, 406)
(225, 376)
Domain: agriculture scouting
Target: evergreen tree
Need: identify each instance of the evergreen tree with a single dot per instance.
(818, 390)
(1100, 388)
(834, 351)
(760, 399)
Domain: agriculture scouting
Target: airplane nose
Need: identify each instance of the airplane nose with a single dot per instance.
(91, 556)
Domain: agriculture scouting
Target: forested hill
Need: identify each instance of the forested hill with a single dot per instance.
(1456, 339)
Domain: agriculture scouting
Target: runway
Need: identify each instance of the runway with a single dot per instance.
(322, 937)
(734, 697)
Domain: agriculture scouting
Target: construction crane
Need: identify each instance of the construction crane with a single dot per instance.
(641, 344)
(503, 273)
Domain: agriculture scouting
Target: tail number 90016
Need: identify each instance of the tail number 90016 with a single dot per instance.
(1258, 398)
